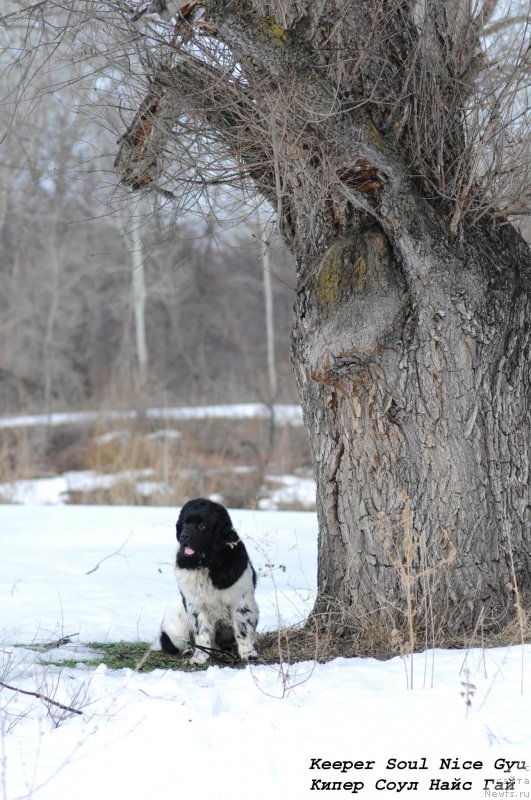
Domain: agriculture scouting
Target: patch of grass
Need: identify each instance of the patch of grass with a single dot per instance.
(288, 645)
(313, 641)
(291, 645)
(126, 655)
(69, 663)
(115, 655)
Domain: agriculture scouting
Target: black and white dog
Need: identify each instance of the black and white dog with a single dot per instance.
(216, 606)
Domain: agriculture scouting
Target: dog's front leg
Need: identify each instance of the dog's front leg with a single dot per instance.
(203, 637)
(245, 619)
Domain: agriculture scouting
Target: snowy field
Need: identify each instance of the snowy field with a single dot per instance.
(105, 573)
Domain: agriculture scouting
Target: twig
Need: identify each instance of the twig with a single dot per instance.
(42, 648)
(40, 696)
(116, 552)
(32, 8)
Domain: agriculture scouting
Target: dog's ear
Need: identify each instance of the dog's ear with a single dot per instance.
(224, 532)
(226, 536)
(233, 539)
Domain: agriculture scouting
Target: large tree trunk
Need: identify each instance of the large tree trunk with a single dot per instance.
(417, 405)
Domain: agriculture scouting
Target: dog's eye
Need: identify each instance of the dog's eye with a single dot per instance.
(201, 526)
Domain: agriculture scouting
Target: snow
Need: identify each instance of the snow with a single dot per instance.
(56, 490)
(289, 490)
(284, 414)
(279, 490)
(102, 573)
(48, 554)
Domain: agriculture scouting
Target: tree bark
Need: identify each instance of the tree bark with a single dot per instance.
(417, 408)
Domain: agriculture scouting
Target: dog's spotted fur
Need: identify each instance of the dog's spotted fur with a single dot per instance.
(216, 605)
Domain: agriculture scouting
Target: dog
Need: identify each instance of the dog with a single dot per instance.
(216, 607)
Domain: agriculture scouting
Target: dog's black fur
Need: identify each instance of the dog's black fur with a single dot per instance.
(216, 581)
(206, 528)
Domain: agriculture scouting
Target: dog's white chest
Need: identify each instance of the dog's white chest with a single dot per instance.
(194, 582)
(199, 591)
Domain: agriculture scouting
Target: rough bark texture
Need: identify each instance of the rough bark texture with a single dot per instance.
(417, 407)
(411, 340)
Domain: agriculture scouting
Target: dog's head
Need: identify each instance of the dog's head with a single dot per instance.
(203, 528)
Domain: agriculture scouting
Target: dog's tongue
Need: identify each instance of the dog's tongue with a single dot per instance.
(189, 551)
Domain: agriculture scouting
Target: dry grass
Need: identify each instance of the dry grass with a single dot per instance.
(17, 457)
(314, 642)
(304, 643)
(150, 462)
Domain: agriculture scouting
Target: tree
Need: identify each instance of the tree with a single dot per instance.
(132, 234)
(388, 136)
(268, 312)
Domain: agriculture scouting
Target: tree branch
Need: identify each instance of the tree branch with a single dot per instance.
(40, 696)
(503, 24)
(110, 555)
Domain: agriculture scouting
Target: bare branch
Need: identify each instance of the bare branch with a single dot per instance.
(110, 555)
(505, 24)
(40, 696)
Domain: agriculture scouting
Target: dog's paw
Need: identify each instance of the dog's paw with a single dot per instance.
(247, 651)
(199, 659)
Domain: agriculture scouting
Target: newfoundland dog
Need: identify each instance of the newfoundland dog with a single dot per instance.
(216, 607)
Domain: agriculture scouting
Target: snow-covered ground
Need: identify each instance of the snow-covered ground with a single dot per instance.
(349, 726)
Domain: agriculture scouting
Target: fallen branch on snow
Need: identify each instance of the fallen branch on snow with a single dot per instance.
(40, 696)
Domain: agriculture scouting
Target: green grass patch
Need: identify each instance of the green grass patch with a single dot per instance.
(123, 655)
(69, 663)
(115, 655)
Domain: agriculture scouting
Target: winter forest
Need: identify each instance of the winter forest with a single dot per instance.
(74, 243)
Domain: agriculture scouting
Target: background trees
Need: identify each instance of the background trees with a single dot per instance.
(68, 257)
